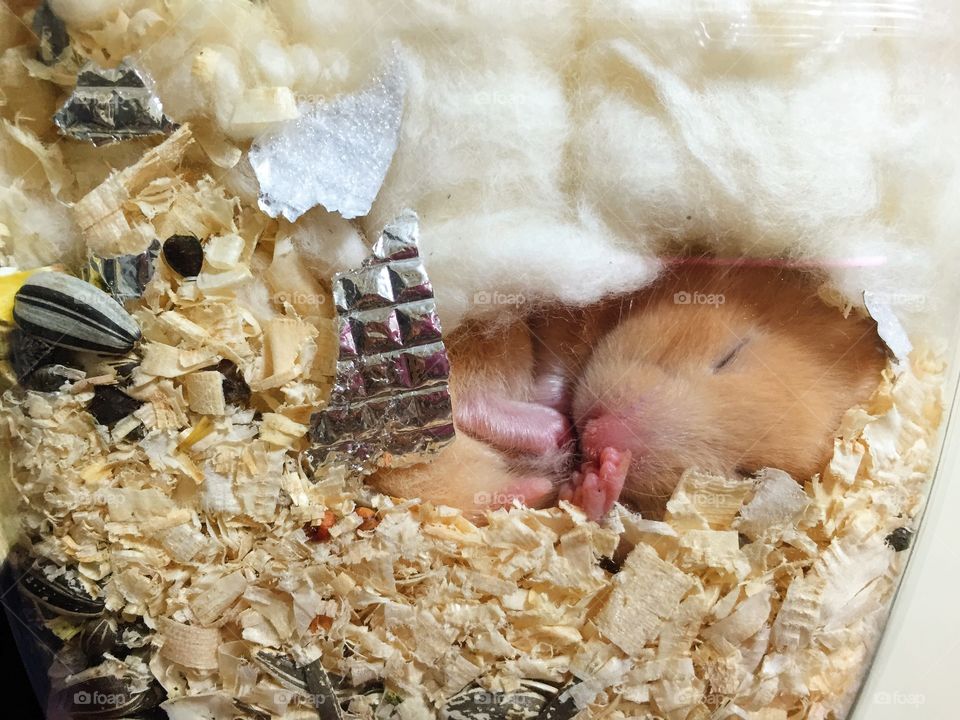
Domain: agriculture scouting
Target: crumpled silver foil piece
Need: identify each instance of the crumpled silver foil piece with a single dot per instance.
(390, 403)
(108, 105)
(336, 154)
(51, 34)
(125, 277)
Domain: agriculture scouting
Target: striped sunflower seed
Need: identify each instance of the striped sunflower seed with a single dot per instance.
(59, 591)
(68, 312)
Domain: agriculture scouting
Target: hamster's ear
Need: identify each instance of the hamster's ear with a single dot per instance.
(511, 425)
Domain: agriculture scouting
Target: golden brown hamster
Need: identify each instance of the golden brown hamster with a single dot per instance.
(727, 368)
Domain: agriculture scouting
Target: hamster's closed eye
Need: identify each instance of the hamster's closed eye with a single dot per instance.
(731, 355)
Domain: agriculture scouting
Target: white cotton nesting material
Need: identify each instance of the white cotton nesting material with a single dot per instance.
(814, 131)
(335, 154)
(505, 277)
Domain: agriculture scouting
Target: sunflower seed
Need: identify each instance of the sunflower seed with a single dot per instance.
(109, 690)
(68, 312)
(98, 638)
(475, 702)
(327, 692)
(60, 591)
(321, 691)
(283, 669)
(119, 366)
(135, 635)
(50, 378)
(562, 706)
(251, 711)
(609, 564)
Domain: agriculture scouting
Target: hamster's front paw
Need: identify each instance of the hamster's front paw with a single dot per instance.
(597, 485)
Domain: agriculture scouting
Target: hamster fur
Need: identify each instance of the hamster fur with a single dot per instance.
(724, 368)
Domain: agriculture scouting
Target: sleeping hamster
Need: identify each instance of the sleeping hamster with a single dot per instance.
(724, 368)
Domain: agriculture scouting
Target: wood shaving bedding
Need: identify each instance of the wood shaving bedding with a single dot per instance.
(751, 595)
(752, 598)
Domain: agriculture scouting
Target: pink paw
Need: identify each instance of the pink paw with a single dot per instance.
(597, 485)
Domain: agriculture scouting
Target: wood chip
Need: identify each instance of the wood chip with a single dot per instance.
(101, 213)
(646, 594)
(189, 645)
(205, 392)
(283, 342)
(281, 431)
(208, 606)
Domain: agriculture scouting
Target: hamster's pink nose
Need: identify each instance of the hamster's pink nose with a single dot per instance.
(607, 431)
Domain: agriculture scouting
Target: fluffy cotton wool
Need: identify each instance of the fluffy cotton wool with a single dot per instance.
(551, 147)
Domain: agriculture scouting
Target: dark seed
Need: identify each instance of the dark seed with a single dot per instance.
(327, 691)
(561, 706)
(51, 32)
(235, 388)
(184, 255)
(64, 594)
(125, 369)
(899, 539)
(283, 669)
(743, 540)
(609, 564)
(477, 702)
(122, 368)
(50, 378)
(321, 691)
(27, 353)
(137, 434)
(133, 636)
(110, 404)
(373, 691)
(70, 313)
(98, 638)
(99, 693)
